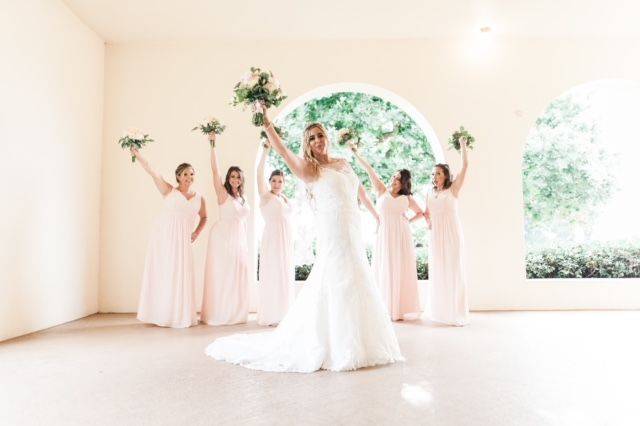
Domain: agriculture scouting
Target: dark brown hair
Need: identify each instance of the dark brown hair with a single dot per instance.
(227, 185)
(405, 182)
(181, 168)
(447, 176)
(276, 172)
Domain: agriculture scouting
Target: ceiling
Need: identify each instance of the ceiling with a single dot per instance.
(122, 21)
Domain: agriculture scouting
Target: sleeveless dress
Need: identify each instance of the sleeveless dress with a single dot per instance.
(276, 275)
(394, 257)
(338, 321)
(167, 296)
(226, 277)
(448, 285)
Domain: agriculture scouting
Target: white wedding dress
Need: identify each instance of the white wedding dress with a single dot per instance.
(338, 321)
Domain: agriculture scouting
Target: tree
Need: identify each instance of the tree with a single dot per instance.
(567, 174)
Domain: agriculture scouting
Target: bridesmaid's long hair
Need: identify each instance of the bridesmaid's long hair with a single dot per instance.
(227, 185)
(447, 176)
(405, 182)
(307, 152)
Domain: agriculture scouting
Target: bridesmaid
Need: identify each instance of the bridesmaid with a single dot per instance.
(167, 297)
(448, 286)
(276, 274)
(226, 277)
(394, 256)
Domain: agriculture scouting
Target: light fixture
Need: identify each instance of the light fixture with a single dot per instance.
(485, 30)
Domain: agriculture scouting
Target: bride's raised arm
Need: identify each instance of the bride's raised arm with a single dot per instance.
(298, 165)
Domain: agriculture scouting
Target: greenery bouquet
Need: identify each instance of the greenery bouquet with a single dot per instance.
(210, 125)
(454, 140)
(258, 86)
(134, 138)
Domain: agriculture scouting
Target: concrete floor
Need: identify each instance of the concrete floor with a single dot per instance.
(506, 368)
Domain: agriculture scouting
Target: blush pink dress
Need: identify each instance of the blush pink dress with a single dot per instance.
(167, 297)
(447, 280)
(276, 276)
(226, 276)
(394, 258)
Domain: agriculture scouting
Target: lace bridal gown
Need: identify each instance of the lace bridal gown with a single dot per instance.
(338, 321)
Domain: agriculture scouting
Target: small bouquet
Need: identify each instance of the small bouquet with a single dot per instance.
(134, 138)
(348, 137)
(258, 86)
(454, 140)
(265, 140)
(210, 125)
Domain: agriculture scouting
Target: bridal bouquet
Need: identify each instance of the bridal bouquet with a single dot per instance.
(348, 137)
(134, 138)
(210, 125)
(454, 140)
(258, 86)
(265, 140)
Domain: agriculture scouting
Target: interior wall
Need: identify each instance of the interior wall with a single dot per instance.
(51, 85)
(495, 88)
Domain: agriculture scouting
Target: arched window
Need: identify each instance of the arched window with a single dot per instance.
(580, 182)
(393, 136)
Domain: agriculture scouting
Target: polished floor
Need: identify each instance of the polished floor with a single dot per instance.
(506, 368)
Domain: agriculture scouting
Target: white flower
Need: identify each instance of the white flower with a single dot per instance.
(343, 133)
(253, 80)
(271, 87)
(135, 134)
(246, 78)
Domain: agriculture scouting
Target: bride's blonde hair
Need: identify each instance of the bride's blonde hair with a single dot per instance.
(307, 152)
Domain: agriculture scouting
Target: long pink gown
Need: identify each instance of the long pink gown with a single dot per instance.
(226, 276)
(394, 258)
(276, 276)
(167, 297)
(448, 285)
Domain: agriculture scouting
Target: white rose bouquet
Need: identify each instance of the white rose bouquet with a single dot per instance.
(258, 86)
(134, 138)
(210, 125)
(348, 137)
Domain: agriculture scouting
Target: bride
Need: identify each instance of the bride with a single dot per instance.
(338, 321)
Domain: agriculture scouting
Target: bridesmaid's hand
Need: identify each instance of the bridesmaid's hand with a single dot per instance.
(463, 143)
(212, 138)
(134, 151)
(194, 236)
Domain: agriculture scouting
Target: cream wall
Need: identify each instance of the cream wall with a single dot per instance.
(496, 90)
(50, 146)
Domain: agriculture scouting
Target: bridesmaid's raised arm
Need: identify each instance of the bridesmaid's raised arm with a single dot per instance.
(298, 166)
(413, 205)
(375, 179)
(203, 220)
(262, 186)
(163, 186)
(459, 180)
(364, 199)
(221, 192)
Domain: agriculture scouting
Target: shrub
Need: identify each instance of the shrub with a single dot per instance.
(614, 260)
